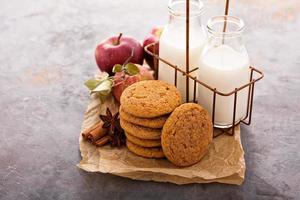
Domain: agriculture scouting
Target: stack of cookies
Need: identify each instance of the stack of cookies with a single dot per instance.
(145, 107)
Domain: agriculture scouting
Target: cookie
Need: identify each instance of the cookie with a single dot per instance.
(141, 142)
(145, 152)
(150, 98)
(140, 131)
(157, 122)
(187, 134)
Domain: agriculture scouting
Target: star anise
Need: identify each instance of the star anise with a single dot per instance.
(115, 132)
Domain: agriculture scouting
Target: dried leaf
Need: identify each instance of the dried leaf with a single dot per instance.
(104, 88)
(92, 83)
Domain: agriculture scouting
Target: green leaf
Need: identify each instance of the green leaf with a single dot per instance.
(92, 83)
(131, 69)
(104, 88)
(117, 68)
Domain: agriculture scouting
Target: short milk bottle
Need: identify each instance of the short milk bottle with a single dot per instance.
(224, 65)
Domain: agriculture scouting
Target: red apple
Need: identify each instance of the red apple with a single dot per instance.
(152, 37)
(115, 50)
(121, 83)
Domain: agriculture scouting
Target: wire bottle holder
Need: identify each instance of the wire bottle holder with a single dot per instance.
(252, 80)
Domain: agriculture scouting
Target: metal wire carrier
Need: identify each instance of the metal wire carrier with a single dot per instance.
(255, 76)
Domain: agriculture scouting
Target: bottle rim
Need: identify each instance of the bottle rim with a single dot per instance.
(236, 26)
(198, 4)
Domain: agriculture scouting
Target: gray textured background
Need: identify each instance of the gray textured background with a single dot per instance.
(47, 52)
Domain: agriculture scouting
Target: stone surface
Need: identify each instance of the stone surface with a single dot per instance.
(47, 52)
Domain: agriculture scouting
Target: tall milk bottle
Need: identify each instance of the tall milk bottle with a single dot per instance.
(172, 44)
(224, 65)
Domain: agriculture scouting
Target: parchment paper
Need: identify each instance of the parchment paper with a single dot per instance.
(224, 162)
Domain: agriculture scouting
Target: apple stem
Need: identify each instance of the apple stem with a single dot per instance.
(128, 59)
(119, 38)
(126, 62)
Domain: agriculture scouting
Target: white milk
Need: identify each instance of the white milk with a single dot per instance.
(172, 48)
(224, 69)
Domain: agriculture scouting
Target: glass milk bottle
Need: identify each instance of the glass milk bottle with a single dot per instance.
(172, 43)
(224, 65)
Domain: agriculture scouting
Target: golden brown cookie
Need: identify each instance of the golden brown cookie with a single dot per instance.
(141, 142)
(187, 134)
(157, 122)
(140, 131)
(144, 151)
(151, 98)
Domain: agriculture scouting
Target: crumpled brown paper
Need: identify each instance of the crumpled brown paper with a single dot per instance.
(224, 162)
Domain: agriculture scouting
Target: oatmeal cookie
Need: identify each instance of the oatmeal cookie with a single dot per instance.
(151, 98)
(187, 134)
(153, 152)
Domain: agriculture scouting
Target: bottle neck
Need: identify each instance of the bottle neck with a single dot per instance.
(181, 22)
(226, 30)
(178, 14)
(174, 34)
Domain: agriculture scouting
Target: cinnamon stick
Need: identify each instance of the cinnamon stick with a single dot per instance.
(87, 131)
(95, 132)
(103, 141)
